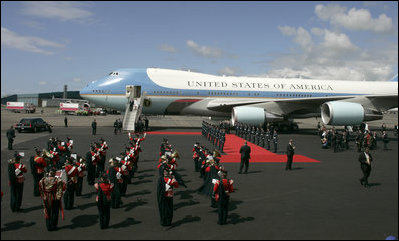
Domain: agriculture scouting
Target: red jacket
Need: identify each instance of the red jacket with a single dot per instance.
(170, 184)
(20, 170)
(40, 164)
(227, 185)
(106, 188)
(72, 172)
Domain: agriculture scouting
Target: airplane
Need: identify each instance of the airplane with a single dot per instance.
(251, 100)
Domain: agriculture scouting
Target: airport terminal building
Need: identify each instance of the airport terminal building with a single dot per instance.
(51, 99)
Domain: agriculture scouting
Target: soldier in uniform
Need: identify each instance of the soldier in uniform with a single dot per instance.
(245, 151)
(385, 140)
(116, 126)
(16, 172)
(253, 134)
(94, 127)
(359, 140)
(275, 140)
(365, 160)
(268, 138)
(345, 137)
(290, 154)
(10, 137)
(222, 141)
(222, 189)
(104, 189)
(166, 183)
(51, 190)
(71, 172)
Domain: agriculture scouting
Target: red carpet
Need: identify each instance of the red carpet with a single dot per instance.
(172, 133)
(258, 154)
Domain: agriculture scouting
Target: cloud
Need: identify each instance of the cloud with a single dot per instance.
(301, 36)
(332, 55)
(167, 48)
(27, 43)
(76, 80)
(337, 42)
(63, 11)
(229, 71)
(354, 19)
(42, 83)
(205, 51)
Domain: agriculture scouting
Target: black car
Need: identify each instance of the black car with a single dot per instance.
(32, 124)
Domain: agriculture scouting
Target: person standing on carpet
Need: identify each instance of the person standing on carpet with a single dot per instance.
(290, 154)
(245, 151)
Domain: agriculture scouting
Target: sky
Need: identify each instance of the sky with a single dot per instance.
(45, 45)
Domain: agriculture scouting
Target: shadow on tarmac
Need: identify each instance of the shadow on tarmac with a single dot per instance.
(125, 223)
(138, 193)
(184, 204)
(27, 210)
(186, 219)
(82, 221)
(132, 205)
(16, 225)
(235, 219)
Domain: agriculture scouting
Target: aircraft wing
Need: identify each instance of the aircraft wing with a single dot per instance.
(303, 105)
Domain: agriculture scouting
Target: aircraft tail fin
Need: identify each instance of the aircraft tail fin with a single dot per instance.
(394, 78)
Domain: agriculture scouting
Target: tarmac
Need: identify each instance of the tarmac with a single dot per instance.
(322, 200)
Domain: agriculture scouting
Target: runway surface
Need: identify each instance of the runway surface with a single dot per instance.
(316, 200)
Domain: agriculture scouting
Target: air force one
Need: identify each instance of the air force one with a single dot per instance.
(251, 100)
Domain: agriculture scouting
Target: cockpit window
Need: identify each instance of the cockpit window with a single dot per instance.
(114, 73)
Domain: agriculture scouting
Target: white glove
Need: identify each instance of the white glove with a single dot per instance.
(17, 171)
(118, 175)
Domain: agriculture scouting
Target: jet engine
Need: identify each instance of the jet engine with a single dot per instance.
(252, 115)
(347, 113)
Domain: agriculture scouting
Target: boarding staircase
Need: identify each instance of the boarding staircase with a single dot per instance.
(132, 115)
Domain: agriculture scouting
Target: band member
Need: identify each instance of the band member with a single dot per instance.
(196, 156)
(72, 172)
(124, 166)
(39, 165)
(104, 189)
(55, 158)
(365, 160)
(51, 191)
(165, 147)
(290, 155)
(103, 147)
(81, 164)
(222, 189)
(91, 159)
(211, 174)
(16, 172)
(166, 183)
(116, 179)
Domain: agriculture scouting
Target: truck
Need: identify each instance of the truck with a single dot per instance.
(21, 106)
(69, 107)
